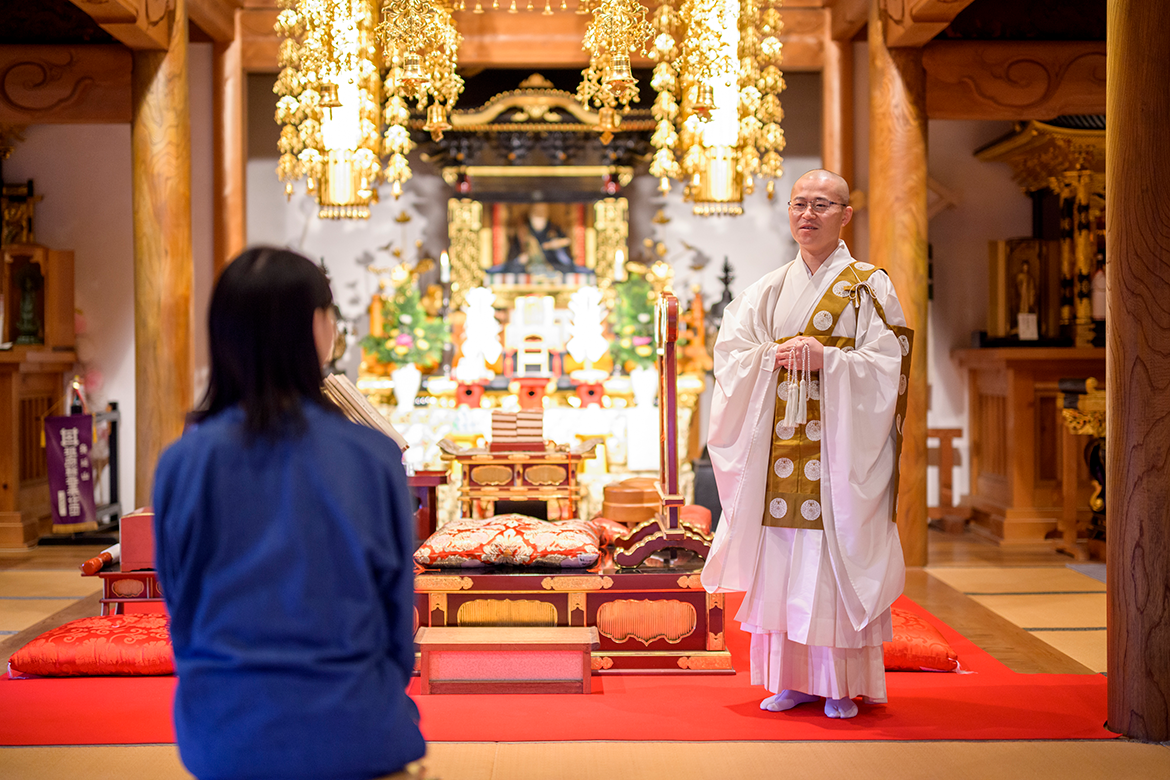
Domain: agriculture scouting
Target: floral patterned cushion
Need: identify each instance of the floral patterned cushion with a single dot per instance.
(917, 646)
(137, 644)
(511, 539)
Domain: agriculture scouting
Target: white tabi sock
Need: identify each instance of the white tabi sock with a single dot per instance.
(840, 708)
(786, 700)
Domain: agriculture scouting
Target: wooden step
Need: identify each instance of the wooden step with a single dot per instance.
(499, 659)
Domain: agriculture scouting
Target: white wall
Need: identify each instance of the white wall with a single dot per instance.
(84, 174)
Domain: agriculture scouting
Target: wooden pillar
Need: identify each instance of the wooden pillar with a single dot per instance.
(230, 149)
(160, 133)
(897, 242)
(837, 112)
(1137, 376)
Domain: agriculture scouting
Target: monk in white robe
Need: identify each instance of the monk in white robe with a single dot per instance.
(820, 561)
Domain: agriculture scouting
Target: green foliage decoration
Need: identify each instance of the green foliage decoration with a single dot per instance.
(633, 323)
(412, 336)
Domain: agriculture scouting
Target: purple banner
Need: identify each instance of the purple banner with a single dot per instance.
(68, 442)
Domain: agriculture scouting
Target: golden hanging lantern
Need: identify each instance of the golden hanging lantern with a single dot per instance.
(436, 121)
(620, 79)
(704, 102)
(329, 96)
(412, 74)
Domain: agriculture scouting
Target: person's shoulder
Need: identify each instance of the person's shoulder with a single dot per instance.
(344, 433)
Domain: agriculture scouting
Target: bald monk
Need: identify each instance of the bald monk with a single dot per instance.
(808, 492)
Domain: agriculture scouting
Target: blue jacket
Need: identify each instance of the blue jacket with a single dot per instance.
(286, 567)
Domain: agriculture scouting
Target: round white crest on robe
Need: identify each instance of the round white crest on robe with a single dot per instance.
(841, 289)
(902, 384)
(860, 266)
(810, 510)
(778, 508)
(783, 468)
(822, 320)
(813, 430)
(905, 342)
(784, 432)
(812, 470)
(814, 389)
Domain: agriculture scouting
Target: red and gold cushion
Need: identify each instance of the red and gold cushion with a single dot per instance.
(107, 645)
(513, 540)
(608, 531)
(917, 646)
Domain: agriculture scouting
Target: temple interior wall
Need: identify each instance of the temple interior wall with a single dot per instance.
(83, 171)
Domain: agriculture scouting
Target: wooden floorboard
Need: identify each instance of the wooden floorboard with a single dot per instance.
(1006, 642)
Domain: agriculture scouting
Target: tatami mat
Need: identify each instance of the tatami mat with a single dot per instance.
(19, 614)
(1032, 579)
(1086, 647)
(46, 584)
(1049, 610)
(675, 761)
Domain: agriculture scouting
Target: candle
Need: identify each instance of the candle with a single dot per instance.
(444, 268)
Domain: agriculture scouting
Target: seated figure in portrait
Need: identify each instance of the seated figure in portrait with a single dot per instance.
(538, 247)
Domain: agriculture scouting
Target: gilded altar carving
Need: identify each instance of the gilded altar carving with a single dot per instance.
(429, 582)
(715, 640)
(599, 662)
(506, 612)
(714, 601)
(438, 603)
(1013, 79)
(590, 582)
(545, 475)
(690, 582)
(646, 620)
(576, 602)
(128, 588)
(705, 663)
(611, 221)
(464, 218)
(491, 475)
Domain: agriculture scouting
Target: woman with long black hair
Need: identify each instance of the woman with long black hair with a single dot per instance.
(284, 551)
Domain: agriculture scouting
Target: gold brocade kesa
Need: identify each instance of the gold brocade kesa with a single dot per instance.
(793, 497)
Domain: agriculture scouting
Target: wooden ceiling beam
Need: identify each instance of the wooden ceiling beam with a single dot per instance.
(912, 23)
(498, 39)
(217, 18)
(848, 17)
(86, 84)
(1015, 80)
(138, 24)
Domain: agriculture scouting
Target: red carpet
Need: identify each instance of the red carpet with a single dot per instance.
(992, 703)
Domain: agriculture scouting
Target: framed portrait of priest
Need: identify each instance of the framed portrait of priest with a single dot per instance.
(531, 230)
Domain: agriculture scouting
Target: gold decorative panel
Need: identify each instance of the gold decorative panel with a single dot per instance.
(576, 583)
(506, 612)
(545, 475)
(600, 662)
(611, 221)
(430, 582)
(576, 602)
(128, 589)
(491, 475)
(464, 219)
(646, 620)
(438, 601)
(690, 581)
(714, 641)
(705, 663)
